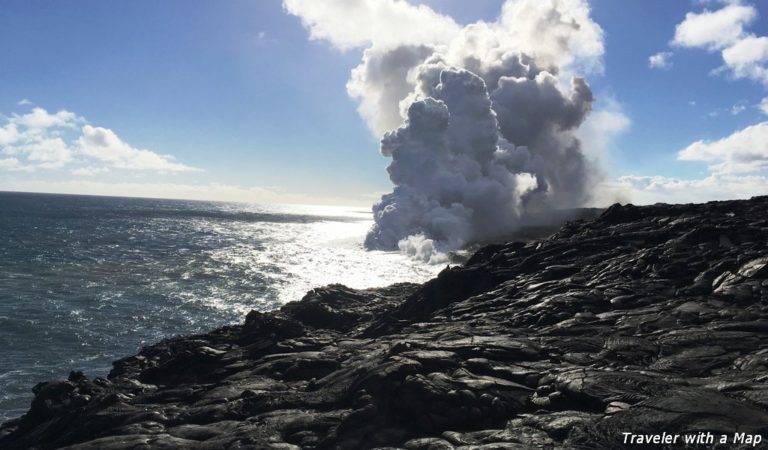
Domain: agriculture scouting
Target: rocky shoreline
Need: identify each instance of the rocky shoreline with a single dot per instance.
(646, 320)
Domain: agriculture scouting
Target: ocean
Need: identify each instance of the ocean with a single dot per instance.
(87, 280)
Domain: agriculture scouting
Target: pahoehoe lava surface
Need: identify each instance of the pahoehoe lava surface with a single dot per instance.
(647, 319)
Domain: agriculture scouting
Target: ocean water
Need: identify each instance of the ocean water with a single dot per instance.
(87, 280)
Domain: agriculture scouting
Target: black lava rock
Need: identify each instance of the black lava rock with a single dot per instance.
(645, 320)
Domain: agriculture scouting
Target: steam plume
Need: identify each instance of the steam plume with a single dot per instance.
(479, 121)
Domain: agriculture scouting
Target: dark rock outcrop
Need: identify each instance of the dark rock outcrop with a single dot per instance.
(647, 319)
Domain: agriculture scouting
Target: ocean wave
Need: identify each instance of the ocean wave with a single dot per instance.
(86, 280)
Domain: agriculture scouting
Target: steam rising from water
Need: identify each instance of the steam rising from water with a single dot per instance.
(479, 121)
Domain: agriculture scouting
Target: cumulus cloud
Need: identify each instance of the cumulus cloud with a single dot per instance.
(645, 190)
(32, 139)
(41, 140)
(39, 119)
(43, 152)
(103, 144)
(746, 58)
(724, 30)
(763, 106)
(480, 121)
(735, 162)
(744, 151)
(714, 30)
(9, 134)
(361, 23)
(10, 164)
(89, 171)
(661, 60)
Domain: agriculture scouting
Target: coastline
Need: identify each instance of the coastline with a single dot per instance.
(645, 320)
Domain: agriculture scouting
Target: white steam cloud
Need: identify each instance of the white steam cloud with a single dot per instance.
(480, 121)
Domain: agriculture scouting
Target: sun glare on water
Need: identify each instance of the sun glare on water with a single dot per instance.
(297, 256)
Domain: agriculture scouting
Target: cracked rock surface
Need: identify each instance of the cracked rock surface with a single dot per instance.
(647, 319)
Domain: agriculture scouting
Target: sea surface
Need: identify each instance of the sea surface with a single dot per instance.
(87, 280)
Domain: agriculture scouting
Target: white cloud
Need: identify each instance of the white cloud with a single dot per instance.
(714, 30)
(744, 54)
(9, 134)
(644, 190)
(361, 23)
(660, 60)
(24, 102)
(736, 163)
(763, 106)
(43, 153)
(40, 119)
(89, 171)
(10, 164)
(40, 140)
(745, 151)
(104, 145)
(746, 58)
(737, 109)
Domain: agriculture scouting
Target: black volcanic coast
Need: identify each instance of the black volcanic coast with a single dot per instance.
(648, 321)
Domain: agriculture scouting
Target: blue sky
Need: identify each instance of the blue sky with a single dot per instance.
(249, 108)
(659, 101)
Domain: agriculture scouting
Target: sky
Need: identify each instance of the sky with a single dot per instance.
(244, 101)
